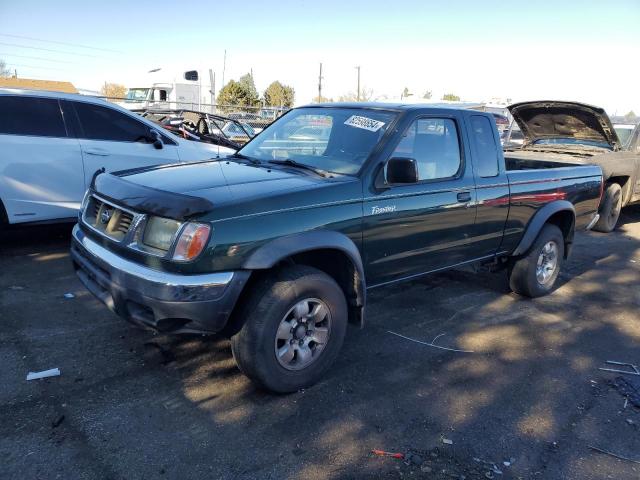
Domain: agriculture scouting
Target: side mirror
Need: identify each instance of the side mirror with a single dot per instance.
(402, 171)
(155, 139)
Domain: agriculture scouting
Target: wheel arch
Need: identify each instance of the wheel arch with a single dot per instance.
(4, 218)
(560, 213)
(330, 252)
(623, 181)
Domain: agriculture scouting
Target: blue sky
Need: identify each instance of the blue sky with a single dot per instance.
(585, 50)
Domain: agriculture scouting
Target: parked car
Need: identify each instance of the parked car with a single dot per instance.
(624, 132)
(571, 132)
(502, 122)
(512, 136)
(633, 144)
(277, 249)
(52, 143)
(202, 127)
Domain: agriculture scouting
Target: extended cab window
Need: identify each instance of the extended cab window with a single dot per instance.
(102, 123)
(486, 158)
(433, 144)
(31, 116)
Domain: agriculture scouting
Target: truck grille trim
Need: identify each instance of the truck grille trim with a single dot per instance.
(109, 220)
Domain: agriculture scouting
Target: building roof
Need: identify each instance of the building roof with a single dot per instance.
(32, 84)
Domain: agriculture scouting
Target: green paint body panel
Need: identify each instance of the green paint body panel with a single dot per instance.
(399, 231)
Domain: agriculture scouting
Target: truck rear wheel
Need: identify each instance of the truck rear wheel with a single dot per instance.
(294, 327)
(610, 209)
(535, 274)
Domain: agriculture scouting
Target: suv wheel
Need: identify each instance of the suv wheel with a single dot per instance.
(536, 273)
(610, 209)
(294, 326)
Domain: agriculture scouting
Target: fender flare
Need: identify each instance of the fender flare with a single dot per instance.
(280, 248)
(538, 221)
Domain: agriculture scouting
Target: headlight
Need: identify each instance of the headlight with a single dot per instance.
(83, 205)
(159, 232)
(191, 242)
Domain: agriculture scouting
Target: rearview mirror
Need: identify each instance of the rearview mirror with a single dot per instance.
(402, 171)
(155, 139)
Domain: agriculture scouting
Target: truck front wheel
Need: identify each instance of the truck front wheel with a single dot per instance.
(610, 209)
(294, 327)
(535, 274)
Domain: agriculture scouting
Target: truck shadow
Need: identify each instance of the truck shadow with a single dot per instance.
(530, 394)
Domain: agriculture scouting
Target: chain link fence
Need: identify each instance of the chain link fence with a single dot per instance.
(256, 117)
(227, 125)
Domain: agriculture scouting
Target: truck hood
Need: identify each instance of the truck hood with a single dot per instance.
(546, 119)
(183, 191)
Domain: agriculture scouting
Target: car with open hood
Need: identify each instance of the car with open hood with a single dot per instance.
(572, 132)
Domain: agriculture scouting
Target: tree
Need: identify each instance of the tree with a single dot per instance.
(427, 95)
(322, 100)
(630, 117)
(113, 91)
(366, 94)
(4, 70)
(246, 81)
(279, 95)
(451, 97)
(238, 94)
(405, 93)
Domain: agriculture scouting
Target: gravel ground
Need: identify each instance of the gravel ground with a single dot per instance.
(133, 405)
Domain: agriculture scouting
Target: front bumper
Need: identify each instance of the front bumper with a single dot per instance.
(150, 298)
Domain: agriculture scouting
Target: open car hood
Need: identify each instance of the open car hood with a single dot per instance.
(546, 119)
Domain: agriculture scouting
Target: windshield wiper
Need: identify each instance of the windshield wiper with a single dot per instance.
(254, 161)
(303, 166)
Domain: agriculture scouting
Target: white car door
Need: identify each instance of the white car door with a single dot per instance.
(41, 172)
(117, 141)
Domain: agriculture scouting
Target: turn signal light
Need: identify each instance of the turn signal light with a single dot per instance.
(192, 241)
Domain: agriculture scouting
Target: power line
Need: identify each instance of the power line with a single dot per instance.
(54, 51)
(35, 58)
(59, 43)
(33, 66)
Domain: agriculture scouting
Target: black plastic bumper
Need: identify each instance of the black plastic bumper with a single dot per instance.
(160, 301)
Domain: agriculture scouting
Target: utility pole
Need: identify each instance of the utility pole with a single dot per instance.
(224, 66)
(320, 84)
(212, 84)
(358, 94)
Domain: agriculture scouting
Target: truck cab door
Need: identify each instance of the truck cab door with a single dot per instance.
(410, 229)
(492, 184)
(116, 141)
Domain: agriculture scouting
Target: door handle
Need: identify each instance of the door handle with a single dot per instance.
(99, 153)
(464, 197)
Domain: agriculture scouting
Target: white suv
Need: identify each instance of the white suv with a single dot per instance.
(52, 143)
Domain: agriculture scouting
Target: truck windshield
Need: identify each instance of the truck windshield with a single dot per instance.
(137, 94)
(337, 140)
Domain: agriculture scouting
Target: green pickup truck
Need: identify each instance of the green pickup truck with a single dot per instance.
(277, 245)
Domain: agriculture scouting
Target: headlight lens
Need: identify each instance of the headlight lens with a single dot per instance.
(192, 240)
(159, 232)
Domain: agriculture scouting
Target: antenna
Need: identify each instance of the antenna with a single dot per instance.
(320, 77)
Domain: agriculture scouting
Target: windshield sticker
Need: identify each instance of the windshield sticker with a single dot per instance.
(364, 123)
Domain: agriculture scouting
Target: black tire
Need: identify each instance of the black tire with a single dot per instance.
(254, 346)
(610, 208)
(523, 274)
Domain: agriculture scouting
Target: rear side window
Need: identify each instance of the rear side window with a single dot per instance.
(486, 150)
(102, 123)
(31, 116)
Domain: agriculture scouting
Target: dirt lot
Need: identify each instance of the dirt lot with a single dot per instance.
(131, 405)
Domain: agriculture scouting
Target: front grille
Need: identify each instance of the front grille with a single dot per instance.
(107, 219)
